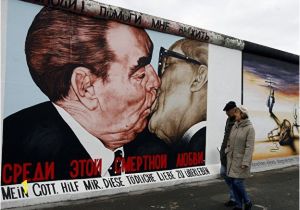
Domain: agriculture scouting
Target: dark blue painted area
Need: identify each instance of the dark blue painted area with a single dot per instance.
(284, 74)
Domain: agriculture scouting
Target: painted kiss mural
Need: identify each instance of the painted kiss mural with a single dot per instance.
(271, 91)
(110, 111)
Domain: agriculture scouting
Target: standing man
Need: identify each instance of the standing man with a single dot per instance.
(101, 85)
(230, 110)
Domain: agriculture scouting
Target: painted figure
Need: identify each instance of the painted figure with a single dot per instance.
(284, 135)
(271, 98)
(101, 85)
(179, 117)
(271, 101)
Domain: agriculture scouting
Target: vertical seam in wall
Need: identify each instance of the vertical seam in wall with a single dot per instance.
(242, 78)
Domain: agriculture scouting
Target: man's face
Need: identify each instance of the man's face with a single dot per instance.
(230, 113)
(130, 89)
(173, 100)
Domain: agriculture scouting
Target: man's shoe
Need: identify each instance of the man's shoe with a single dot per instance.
(248, 206)
(229, 203)
(236, 208)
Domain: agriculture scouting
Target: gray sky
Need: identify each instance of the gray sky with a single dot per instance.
(273, 23)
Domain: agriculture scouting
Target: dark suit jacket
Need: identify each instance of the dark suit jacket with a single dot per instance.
(38, 134)
(196, 144)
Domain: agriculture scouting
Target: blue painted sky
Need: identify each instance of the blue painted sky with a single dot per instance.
(284, 74)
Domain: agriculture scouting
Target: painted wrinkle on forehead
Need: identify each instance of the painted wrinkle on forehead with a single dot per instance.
(143, 40)
(129, 43)
(120, 39)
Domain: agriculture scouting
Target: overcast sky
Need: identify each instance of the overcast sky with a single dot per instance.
(273, 23)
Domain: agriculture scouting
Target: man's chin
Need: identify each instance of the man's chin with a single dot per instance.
(163, 137)
(160, 134)
(139, 127)
(142, 126)
(128, 136)
(137, 122)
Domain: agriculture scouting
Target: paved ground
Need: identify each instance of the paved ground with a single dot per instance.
(271, 190)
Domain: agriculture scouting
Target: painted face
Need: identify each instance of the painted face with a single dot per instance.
(173, 100)
(130, 89)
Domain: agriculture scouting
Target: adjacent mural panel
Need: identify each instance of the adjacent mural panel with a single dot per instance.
(109, 100)
(271, 92)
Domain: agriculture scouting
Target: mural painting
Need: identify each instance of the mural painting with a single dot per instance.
(101, 100)
(271, 91)
(103, 89)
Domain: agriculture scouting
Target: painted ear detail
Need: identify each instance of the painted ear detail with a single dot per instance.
(81, 83)
(200, 78)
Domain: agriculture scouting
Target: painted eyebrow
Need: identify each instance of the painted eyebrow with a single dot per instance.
(143, 61)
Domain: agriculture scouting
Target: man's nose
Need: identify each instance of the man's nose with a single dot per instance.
(153, 79)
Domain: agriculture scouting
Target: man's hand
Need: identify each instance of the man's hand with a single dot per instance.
(243, 166)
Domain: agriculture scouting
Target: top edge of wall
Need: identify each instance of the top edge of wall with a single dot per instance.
(96, 9)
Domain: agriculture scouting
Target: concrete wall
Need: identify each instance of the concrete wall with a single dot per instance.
(230, 73)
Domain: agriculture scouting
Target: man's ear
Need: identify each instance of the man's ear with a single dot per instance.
(82, 84)
(199, 78)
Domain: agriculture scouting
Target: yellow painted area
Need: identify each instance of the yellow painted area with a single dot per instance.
(268, 149)
(25, 186)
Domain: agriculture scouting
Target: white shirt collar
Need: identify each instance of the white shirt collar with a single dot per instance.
(91, 144)
(192, 130)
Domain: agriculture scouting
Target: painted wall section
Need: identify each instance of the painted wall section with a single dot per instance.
(100, 10)
(225, 85)
(54, 146)
(271, 91)
(160, 120)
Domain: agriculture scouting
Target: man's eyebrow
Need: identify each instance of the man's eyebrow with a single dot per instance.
(142, 61)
